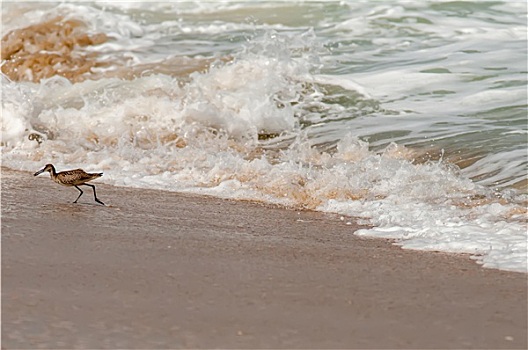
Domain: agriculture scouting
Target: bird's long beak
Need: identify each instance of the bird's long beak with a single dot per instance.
(39, 172)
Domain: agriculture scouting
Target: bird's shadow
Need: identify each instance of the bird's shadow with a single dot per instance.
(78, 207)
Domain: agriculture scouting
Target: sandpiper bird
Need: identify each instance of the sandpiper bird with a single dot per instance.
(74, 178)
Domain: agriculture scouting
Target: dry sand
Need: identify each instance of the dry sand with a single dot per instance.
(164, 270)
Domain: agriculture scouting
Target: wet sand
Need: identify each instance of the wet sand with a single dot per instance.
(164, 270)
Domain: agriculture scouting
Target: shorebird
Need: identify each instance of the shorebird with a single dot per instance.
(73, 178)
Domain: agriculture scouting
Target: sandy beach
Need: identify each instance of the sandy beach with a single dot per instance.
(155, 269)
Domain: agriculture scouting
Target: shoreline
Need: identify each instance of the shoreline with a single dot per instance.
(159, 269)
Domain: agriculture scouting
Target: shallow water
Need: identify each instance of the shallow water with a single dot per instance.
(410, 116)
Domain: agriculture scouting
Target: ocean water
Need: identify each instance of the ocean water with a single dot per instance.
(407, 116)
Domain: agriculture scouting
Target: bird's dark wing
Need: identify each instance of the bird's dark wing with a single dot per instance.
(74, 177)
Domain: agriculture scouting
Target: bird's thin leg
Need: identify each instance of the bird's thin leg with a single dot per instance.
(95, 195)
(80, 194)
